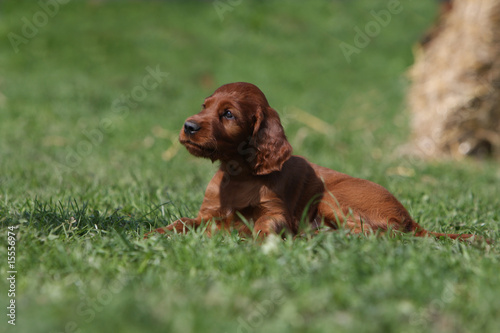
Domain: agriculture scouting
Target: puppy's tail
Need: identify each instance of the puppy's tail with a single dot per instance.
(421, 232)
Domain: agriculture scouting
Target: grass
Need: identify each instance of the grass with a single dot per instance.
(84, 175)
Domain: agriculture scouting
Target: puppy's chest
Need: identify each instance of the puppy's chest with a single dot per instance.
(244, 196)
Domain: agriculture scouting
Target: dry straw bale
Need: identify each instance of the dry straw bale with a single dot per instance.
(455, 94)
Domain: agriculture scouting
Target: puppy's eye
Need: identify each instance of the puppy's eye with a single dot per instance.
(228, 114)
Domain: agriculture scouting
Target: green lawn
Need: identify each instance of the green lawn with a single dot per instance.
(92, 97)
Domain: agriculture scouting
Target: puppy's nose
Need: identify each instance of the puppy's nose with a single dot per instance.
(190, 127)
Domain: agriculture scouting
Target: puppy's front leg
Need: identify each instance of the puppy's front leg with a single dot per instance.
(181, 226)
(272, 220)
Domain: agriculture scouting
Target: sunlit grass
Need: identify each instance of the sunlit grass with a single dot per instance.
(84, 178)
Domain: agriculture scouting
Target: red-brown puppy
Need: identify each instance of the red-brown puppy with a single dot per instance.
(261, 184)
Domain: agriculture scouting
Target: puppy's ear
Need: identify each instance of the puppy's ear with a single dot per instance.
(270, 142)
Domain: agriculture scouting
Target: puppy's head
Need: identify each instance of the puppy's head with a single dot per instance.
(237, 124)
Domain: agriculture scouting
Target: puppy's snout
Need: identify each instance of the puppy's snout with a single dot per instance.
(191, 127)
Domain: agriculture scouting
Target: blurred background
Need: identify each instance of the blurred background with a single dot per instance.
(76, 103)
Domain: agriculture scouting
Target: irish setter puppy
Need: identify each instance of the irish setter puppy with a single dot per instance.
(260, 185)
